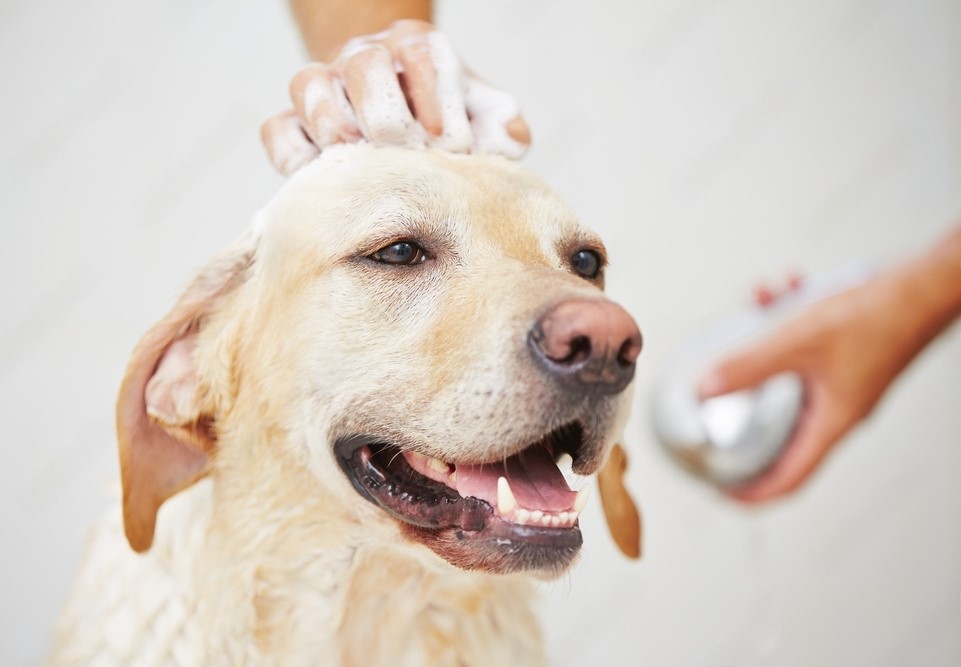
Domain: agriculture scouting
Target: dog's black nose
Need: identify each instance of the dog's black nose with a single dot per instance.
(588, 344)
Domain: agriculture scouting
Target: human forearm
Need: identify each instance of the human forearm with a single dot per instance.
(933, 284)
(326, 25)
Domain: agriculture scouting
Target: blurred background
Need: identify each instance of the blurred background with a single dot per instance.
(712, 143)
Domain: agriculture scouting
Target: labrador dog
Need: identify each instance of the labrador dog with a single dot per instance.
(346, 443)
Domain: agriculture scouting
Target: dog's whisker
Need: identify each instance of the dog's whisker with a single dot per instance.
(394, 457)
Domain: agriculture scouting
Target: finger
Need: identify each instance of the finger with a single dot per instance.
(408, 43)
(817, 432)
(322, 105)
(434, 82)
(370, 79)
(742, 370)
(495, 119)
(287, 146)
(751, 365)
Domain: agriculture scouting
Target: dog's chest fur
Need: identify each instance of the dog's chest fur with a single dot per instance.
(280, 601)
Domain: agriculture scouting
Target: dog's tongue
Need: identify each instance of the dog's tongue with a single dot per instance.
(534, 478)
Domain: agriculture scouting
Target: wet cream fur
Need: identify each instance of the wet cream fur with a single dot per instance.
(272, 558)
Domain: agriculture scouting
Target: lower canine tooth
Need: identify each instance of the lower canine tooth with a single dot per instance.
(581, 500)
(505, 497)
(438, 465)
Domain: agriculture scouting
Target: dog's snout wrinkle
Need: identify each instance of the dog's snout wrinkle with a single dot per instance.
(587, 344)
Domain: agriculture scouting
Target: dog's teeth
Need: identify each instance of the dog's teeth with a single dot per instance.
(522, 515)
(453, 477)
(565, 464)
(581, 500)
(565, 518)
(555, 521)
(438, 465)
(546, 520)
(505, 497)
(536, 516)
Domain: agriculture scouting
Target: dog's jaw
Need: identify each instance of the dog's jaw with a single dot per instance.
(540, 552)
(516, 513)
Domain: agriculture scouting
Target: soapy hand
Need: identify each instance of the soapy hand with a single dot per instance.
(848, 349)
(405, 86)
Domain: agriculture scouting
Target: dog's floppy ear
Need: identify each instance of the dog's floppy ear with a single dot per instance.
(165, 437)
(623, 519)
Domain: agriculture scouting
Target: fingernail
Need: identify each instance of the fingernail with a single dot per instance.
(763, 296)
(518, 131)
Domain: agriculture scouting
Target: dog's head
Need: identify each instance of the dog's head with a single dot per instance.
(424, 331)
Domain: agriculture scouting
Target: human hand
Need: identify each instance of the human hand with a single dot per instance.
(405, 86)
(848, 349)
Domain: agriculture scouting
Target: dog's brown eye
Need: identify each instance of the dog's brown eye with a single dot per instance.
(586, 263)
(402, 253)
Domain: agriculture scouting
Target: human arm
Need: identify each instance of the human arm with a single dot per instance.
(326, 25)
(848, 349)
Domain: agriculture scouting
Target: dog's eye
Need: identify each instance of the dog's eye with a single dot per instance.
(586, 263)
(401, 253)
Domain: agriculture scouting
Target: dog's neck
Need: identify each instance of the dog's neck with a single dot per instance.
(312, 580)
(304, 586)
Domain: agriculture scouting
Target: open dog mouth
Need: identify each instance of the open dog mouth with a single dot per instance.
(525, 500)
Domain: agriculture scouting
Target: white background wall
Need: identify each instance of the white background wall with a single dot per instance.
(711, 143)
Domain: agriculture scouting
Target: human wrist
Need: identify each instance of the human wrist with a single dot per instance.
(327, 26)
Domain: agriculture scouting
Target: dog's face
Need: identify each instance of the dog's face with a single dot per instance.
(430, 334)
